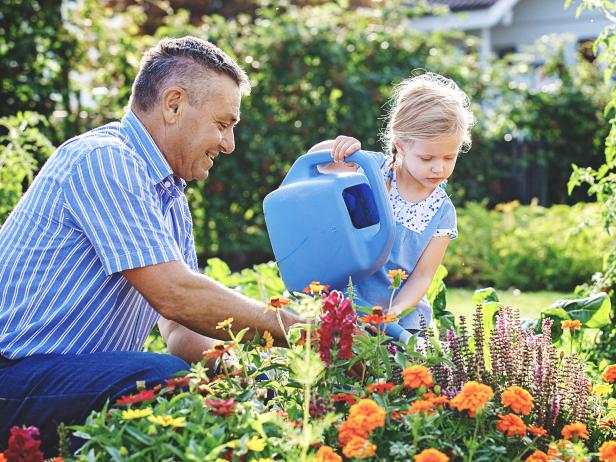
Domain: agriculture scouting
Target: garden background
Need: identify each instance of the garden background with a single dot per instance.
(320, 70)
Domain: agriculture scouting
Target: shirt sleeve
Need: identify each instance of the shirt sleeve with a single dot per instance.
(448, 225)
(112, 199)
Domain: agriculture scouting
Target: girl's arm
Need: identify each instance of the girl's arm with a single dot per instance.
(418, 283)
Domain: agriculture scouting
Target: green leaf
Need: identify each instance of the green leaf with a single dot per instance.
(482, 296)
(593, 312)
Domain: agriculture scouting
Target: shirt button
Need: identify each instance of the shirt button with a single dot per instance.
(168, 184)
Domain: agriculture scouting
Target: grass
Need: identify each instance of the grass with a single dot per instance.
(459, 301)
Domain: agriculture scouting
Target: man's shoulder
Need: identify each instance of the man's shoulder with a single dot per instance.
(108, 139)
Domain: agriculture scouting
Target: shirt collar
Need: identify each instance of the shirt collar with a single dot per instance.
(145, 146)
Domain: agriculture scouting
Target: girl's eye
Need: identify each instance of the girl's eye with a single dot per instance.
(426, 158)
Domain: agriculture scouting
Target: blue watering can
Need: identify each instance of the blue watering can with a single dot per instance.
(328, 227)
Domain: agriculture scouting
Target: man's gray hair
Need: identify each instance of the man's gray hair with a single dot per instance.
(184, 62)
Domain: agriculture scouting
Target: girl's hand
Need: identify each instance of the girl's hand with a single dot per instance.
(344, 146)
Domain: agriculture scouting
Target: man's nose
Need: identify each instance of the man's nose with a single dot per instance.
(227, 144)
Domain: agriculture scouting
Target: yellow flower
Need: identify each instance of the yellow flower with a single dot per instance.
(602, 389)
(168, 421)
(276, 304)
(256, 444)
(268, 339)
(130, 414)
(396, 277)
(224, 324)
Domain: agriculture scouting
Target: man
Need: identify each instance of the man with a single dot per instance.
(100, 248)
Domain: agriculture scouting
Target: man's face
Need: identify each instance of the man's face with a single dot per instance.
(203, 132)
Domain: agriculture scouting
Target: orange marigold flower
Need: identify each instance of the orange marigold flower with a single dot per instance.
(421, 405)
(431, 455)
(537, 431)
(575, 430)
(607, 452)
(511, 425)
(518, 400)
(610, 373)
(315, 288)
(349, 430)
(417, 376)
(377, 317)
(472, 398)
(359, 448)
(327, 454)
(367, 415)
(571, 325)
(380, 387)
(538, 456)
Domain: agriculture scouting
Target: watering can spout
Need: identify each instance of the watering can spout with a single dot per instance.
(328, 227)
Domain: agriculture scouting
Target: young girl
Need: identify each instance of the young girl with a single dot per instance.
(428, 126)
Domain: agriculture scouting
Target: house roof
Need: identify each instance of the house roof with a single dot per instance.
(465, 5)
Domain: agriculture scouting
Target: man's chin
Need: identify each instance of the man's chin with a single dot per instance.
(203, 175)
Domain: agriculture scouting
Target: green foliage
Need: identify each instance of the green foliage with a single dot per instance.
(527, 247)
(23, 147)
(549, 117)
(593, 313)
(602, 181)
(316, 72)
(36, 56)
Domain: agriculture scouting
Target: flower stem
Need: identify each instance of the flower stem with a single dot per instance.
(306, 423)
(284, 332)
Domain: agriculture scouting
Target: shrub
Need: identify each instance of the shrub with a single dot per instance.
(23, 147)
(527, 247)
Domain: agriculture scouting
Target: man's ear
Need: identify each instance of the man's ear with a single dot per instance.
(173, 100)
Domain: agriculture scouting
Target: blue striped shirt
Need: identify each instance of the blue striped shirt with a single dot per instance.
(105, 201)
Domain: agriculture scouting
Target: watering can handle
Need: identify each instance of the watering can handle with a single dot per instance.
(306, 167)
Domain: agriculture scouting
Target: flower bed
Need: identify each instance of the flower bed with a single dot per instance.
(344, 391)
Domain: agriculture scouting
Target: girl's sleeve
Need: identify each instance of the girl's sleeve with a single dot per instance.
(448, 226)
(378, 156)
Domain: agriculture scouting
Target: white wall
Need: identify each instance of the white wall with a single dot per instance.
(534, 18)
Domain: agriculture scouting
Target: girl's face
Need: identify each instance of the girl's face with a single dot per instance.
(426, 164)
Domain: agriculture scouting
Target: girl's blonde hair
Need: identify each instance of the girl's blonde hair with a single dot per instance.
(425, 108)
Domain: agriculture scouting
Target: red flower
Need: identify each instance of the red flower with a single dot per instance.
(24, 445)
(338, 320)
(380, 387)
(221, 406)
(348, 398)
(177, 383)
(141, 397)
